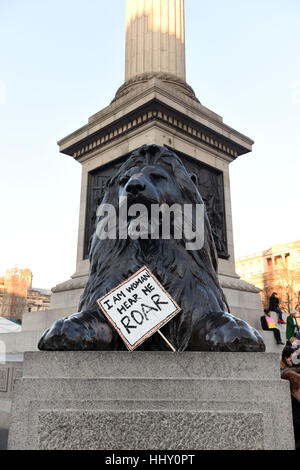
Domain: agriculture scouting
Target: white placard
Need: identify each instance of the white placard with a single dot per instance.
(138, 307)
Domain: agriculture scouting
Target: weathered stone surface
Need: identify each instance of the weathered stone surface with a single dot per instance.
(139, 364)
(9, 371)
(115, 400)
(3, 437)
(3, 379)
(98, 430)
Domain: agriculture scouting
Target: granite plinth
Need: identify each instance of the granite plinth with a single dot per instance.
(130, 401)
(197, 430)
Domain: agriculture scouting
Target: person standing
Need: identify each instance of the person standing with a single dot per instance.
(292, 328)
(274, 307)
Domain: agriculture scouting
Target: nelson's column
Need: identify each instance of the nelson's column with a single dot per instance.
(119, 400)
(155, 105)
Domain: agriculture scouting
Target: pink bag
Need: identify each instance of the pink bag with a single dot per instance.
(271, 322)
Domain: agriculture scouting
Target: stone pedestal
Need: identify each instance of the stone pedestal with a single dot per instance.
(151, 401)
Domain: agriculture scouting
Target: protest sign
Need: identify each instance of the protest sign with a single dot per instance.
(138, 308)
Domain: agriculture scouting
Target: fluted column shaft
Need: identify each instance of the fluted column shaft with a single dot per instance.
(155, 38)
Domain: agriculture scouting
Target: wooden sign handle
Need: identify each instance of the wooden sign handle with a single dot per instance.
(168, 342)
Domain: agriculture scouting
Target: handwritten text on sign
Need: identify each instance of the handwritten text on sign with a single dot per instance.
(138, 307)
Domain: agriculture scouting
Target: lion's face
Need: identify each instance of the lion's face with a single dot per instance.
(148, 184)
(147, 188)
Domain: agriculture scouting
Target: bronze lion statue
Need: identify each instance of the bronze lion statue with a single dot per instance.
(155, 175)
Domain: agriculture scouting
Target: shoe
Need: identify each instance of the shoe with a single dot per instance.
(280, 343)
(281, 322)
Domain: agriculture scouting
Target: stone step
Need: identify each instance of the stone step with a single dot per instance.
(126, 389)
(43, 319)
(270, 342)
(250, 315)
(33, 326)
(16, 343)
(141, 364)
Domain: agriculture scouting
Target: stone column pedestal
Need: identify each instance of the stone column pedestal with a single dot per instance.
(151, 401)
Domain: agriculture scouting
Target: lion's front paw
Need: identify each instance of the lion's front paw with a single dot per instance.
(78, 332)
(233, 334)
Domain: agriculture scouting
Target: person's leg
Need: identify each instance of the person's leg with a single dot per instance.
(277, 336)
(279, 313)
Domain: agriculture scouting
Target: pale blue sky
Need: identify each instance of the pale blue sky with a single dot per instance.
(62, 61)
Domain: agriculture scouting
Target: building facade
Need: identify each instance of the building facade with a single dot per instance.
(18, 296)
(274, 270)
